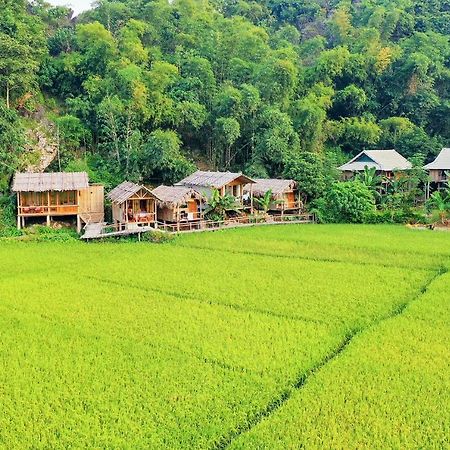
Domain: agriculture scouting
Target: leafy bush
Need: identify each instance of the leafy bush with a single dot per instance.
(350, 201)
(157, 237)
(40, 233)
(397, 216)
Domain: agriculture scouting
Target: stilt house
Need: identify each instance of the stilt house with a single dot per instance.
(179, 204)
(285, 196)
(225, 182)
(133, 206)
(439, 171)
(386, 162)
(50, 195)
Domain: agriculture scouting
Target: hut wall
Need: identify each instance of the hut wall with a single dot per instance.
(117, 213)
(167, 214)
(437, 175)
(91, 200)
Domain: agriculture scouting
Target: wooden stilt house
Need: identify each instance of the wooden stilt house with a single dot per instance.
(50, 195)
(439, 171)
(133, 206)
(225, 182)
(284, 193)
(179, 204)
(386, 163)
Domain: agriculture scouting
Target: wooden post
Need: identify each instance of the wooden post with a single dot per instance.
(18, 211)
(251, 198)
(78, 224)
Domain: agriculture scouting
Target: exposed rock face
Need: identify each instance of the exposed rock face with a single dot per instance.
(42, 144)
(43, 150)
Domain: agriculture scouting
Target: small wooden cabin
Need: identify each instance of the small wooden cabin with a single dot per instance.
(439, 171)
(133, 206)
(386, 162)
(179, 204)
(61, 194)
(285, 196)
(225, 182)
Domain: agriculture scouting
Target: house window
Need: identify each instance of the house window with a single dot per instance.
(67, 198)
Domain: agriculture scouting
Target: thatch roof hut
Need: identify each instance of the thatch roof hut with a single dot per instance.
(58, 194)
(231, 183)
(284, 193)
(133, 205)
(178, 203)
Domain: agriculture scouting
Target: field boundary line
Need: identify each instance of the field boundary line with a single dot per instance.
(286, 394)
(236, 307)
(309, 258)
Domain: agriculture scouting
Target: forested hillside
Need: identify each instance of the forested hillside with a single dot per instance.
(147, 89)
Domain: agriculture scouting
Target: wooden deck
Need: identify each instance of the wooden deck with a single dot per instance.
(102, 230)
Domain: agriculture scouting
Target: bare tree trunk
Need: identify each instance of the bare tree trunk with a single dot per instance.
(7, 94)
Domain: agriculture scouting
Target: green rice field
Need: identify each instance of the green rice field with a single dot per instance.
(275, 337)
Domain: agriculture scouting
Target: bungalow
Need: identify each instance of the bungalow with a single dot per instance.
(225, 182)
(284, 193)
(439, 170)
(133, 206)
(386, 163)
(178, 203)
(60, 194)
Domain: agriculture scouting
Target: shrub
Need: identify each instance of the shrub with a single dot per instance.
(157, 237)
(349, 201)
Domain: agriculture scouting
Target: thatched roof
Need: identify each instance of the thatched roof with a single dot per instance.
(277, 186)
(175, 195)
(442, 161)
(126, 190)
(384, 160)
(56, 181)
(213, 179)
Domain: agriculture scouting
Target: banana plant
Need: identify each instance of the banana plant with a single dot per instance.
(441, 202)
(219, 205)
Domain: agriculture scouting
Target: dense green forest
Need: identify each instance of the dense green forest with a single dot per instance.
(148, 89)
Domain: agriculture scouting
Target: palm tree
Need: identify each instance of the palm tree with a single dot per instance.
(441, 202)
(218, 205)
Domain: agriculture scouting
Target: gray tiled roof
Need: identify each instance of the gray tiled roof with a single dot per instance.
(386, 160)
(442, 161)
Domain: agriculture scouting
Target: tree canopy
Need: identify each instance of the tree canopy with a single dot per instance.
(150, 87)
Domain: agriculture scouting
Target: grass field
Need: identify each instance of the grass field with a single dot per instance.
(272, 337)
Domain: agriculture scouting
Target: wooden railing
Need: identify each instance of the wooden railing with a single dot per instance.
(286, 205)
(45, 210)
(203, 225)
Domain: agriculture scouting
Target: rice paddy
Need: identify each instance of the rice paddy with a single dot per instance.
(273, 337)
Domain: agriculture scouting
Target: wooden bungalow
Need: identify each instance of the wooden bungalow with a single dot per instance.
(386, 162)
(439, 171)
(225, 182)
(285, 196)
(50, 195)
(179, 204)
(133, 206)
